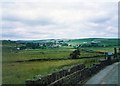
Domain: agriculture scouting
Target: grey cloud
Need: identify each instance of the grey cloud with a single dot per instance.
(12, 36)
(30, 22)
(64, 20)
(101, 20)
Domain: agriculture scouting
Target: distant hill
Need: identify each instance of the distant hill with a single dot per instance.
(104, 41)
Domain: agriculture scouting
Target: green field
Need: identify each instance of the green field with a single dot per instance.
(34, 54)
(103, 49)
(41, 53)
(16, 73)
(104, 41)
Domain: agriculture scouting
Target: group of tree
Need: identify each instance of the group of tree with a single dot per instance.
(30, 46)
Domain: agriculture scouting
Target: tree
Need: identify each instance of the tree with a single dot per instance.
(22, 47)
(75, 54)
(32, 45)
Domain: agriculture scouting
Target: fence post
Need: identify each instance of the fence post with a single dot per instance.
(119, 50)
(115, 52)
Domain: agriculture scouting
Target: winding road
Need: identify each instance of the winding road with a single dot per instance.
(109, 75)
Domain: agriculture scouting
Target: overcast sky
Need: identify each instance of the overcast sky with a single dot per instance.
(53, 19)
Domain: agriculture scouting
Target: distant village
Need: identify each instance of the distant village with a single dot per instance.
(53, 43)
(58, 43)
(45, 44)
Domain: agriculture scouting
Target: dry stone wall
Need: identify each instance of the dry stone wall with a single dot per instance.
(73, 75)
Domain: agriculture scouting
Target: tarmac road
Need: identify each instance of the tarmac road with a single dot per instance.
(109, 75)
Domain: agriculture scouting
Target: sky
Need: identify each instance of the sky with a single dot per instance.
(53, 19)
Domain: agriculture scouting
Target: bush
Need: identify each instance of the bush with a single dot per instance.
(75, 54)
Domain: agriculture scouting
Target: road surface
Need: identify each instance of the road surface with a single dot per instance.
(109, 75)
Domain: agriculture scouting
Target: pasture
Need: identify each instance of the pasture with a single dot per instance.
(103, 49)
(16, 73)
